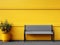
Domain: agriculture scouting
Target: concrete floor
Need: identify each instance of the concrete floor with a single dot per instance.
(31, 43)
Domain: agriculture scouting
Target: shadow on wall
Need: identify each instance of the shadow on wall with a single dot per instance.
(38, 37)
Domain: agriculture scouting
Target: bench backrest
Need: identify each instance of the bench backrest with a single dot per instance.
(38, 28)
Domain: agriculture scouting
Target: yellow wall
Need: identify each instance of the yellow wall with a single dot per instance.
(19, 18)
(38, 37)
(29, 4)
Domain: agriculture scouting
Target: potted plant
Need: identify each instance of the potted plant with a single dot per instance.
(5, 28)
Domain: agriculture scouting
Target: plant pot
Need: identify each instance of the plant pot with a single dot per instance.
(5, 37)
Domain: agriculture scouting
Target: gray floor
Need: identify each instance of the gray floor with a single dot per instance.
(31, 43)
